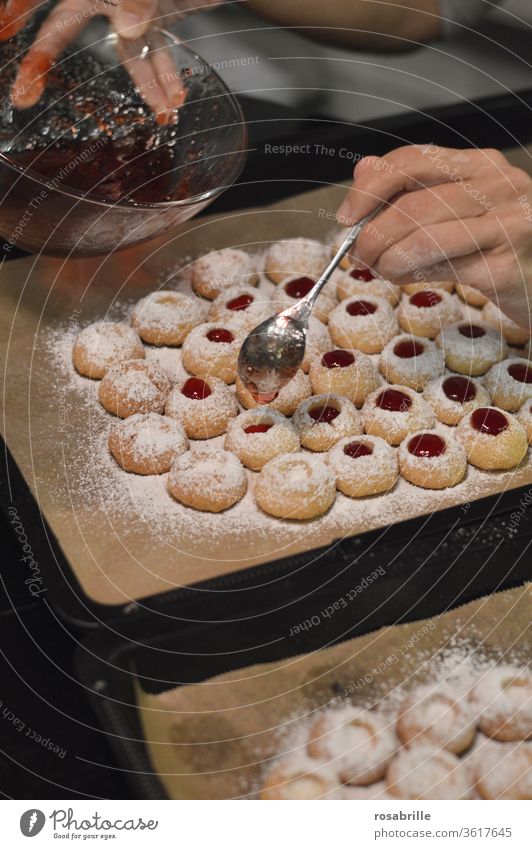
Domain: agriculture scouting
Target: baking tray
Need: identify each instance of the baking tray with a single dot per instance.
(94, 570)
(114, 668)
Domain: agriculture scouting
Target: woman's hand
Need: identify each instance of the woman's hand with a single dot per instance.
(452, 214)
(160, 87)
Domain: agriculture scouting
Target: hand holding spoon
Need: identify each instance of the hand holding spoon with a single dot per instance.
(273, 352)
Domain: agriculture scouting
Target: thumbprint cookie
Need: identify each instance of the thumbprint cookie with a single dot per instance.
(105, 344)
(503, 771)
(288, 399)
(166, 318)
(211, 350)
(471, 348)
(324, 419)
(240, 305)
(257, 436)
(394, 412)
(293, 289)
(503, 699)
(296, 257)
(453, 396)
(427, 312)
(364, 323)
(436, 718)
(147, 443)
(318, 341)
(344, 372)
(364, 465)
(359, 282)
(204, 407)
(510, 383)
(422, 772)
(411, 361)
(431, 460)
(208, 479)
(219, 270)
(294, 781)
(512, 332)
(295, 486)
(134, 386)
(492, 438)
(471, 296)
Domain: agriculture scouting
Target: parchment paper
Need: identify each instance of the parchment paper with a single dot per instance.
(124, 554)
(250, 713)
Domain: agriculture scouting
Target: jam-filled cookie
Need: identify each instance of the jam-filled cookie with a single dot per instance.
(147, 443)
(204, 407)
(434, 717)
(503, 700)
(295, 486)
(344, 372)
(359, 282)
(411, 361)
(422, 772)
(211, 350)
(412, 288)
(524, 416)
(471, 347)
(290, 780)
(257, 436)
(471, 296)
(166, 318)
(288, 399)
(324, 419)
(426, 312)
(509, 383)
(293, 289)
(359, 744)
(219, 270)
(241, 306)
(318, 341)
(503, 771)
(364, 465)
(431, 460)
(208, 479)
(134, 386)
(394, 412)
(492, 438)
(512, 332)
(296, 257)
(104, 344)
(454, 395)
(366, 324)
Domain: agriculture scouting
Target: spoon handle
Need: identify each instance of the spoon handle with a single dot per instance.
(303, 308)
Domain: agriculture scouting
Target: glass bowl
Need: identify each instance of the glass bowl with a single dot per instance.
(91, 168)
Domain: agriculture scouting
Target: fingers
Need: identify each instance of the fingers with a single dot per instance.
(31, 79)
(131, 18)
(409, 168)
(145, 77)
(14, 15)
(168, 75)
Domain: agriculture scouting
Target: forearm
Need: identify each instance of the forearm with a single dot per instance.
(374, 24)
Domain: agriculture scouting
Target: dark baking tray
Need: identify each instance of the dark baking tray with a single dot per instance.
(176, 647)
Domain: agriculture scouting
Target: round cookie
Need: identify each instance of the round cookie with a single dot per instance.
(365, 325)
(524, 417)
(426, 312)
(204, 407)
(503, 699)
(510, 383)
(512, 332)
(294, 781)
(322, 420)
(411, 361)
(208, 479)
(431, 460)
(492, 439)
(412, 288)
(424, 773)
(147, 443)
(318, 341)
(296, 257)
(363, 466)
(166, 318)
(436, 718)
(257, 436)
(343, 372)
(359, 282)
(394, 412)
(360, 744)
(104, 344)
(134, 386)
(295, 486)
(471, 296)
(241, 306)
(291, 290)
(211, 350)
(288, 399)
(504, 771)
(454, 395)
(471, 348)
(219, 270)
